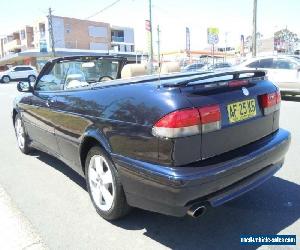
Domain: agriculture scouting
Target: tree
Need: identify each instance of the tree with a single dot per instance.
(285, 40)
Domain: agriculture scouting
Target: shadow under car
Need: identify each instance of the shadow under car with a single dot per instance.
(267, 209)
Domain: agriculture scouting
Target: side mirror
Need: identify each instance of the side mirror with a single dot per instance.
(24, 87)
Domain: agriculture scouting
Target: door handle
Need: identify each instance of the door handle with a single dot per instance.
(49, 102)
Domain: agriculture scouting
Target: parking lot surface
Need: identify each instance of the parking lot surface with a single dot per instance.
(55, 201)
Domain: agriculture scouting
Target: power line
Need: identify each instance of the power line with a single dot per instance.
(104, 9)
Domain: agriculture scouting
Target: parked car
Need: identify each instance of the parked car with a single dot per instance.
(19, 72)
(217, 66)
(193, 67)
(173, 144)
(296, 57)
(284, 71)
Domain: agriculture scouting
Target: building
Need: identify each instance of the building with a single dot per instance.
(71, 36)
(122, 39)
(266, 46)
(17, 41)
(72, 33)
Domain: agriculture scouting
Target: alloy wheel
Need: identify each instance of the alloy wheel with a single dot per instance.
(101, 182)
(20, 133)
(31, 78)
(5, 79)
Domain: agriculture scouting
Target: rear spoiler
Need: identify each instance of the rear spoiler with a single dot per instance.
(236, 75)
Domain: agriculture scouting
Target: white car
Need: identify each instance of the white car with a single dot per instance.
(19, 72)
(193, 67)
(284, 71)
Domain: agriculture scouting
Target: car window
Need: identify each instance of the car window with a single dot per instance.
(222, 65)
(266, 63)
(254, 64)
(193, 66)
(18, 69)
(284, 64)
(27, 68)
(54, 80)
(22, 68)
(76, 74)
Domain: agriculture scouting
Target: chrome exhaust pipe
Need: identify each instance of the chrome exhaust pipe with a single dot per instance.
(196, 210)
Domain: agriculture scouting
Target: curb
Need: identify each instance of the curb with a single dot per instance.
(16, 231)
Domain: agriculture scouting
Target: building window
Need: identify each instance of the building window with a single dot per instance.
(95, 31)
(68, 28)
(117, 35)
(22, 34)
(69, 45)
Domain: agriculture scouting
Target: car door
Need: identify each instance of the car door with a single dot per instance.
(25, 72)
(14, 73)
(77, 105)
(40, 116)
(267, 64)
(286, 74)
(71, 106)
(21, 72)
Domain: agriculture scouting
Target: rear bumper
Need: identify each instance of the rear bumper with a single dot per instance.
(172, 190)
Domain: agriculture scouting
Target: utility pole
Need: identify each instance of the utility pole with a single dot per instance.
(213, 53)
(151, 39)
(158, 45)
(51, 32)
(188, 43)
(226, 33)
(254, 45)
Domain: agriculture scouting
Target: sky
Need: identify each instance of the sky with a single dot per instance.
(232, 17)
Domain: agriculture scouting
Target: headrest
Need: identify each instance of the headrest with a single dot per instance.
(134, 69)
(169, 67)
(79, 77)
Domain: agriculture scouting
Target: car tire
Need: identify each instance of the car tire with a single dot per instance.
(104, 185)
(31, 78)
(5, 79)
(22, 137)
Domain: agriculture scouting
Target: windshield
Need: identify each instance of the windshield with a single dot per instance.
(78, 73)
(91, 71)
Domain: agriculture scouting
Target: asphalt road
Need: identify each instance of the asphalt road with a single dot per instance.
(54, 199)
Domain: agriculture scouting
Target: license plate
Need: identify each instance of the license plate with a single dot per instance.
(240, 111)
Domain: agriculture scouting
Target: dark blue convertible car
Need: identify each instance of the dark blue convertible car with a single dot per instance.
(176, 143)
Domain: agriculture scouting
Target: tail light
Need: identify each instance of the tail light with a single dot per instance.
(178, 124)
(188, 122)
(270, 102)
(210, 118)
